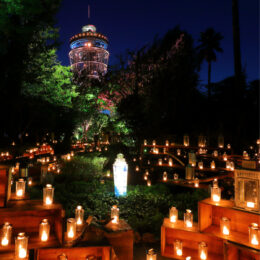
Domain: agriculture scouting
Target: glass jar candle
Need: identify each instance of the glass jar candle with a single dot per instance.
(71, 228)
(44, 230)
(30, 181)
(137, 168)
(79, 215)
(48, 193)
(186, 140)
(170, 162)
(225, 226)
(213, 165)
(115, 214)
(145, 177)
(254, 232)
(177, 245)
(151, 254)
(145, 142)
(160, 162)
(167, 143)
(188, 218)
(200, 165)
(225, 156)
(62, 257)
(154, 142)
(165, 176)
(196, 182)
(20, 188)
(6, 233)
(215, 191)
(21, 245)
(173, 215)
(203, 251)
(149, 183)
(179, 152)
(175, 176)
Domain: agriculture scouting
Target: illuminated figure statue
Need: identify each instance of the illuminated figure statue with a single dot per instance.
(89, 52)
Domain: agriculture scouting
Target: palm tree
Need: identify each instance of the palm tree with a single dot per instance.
(209, 45)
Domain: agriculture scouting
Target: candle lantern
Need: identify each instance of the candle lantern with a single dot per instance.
(215, 191)
(202, 141)
(154, 142)
(215, 153)
(48, 193)
(212, 165)
(71, 228)
(196, 182)
(232, 166)
(145, 177)
(167, 143)
(134, 159)
(177, 247)
(146, 172)
(165, 176)
(189, 172)
(20, 188)
(203, 251)
(6, 233)
(44, 230)
(30, 181)
(247, 189)
(221, 141)
(120, 169)
(225, 156)
(149, 183)
(145, 142)
(173, 215)
(21, 244)
(148, 162)
(160, 162)
(175, 176)
(115, 214)
(228, 146)
(192, 159)
(170, 162)
(254, 233)
(151, 254)
(179, 152)
(225, 226)
(79, 215)
(137, 168)
(186, 140)
(188, 218)
(200, 164)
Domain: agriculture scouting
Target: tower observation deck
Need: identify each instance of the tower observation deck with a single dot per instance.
(89, 52)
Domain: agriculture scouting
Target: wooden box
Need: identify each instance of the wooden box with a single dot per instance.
(190, 240)
(210, 214)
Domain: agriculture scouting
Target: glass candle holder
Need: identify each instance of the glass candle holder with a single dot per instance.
(48, 193)
(196, 182)
(225, 156)
(165, 176)
(115, 214)
(179, 152)
(154, 142)
(79, 215)
(254, 232)
(173, 215)
(149, 183)
(175, 176)
(186, 140)
(213, 165)
(44, 230)
(71, 228)
(151, 254)
(203, 251)
(145, 177)
(20, 188)
(167, 143)
(170, 162)
(188, 218)
(159, 161)
(200, 165)
(225, 226)
(215, 191)
(232, 166)
(21, 245)
(145, 142)
(6, 233)
(215, 153)
(30, 181)
(228, 146)
(137, 168)
(177, 245)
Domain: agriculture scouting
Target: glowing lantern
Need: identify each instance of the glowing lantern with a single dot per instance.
(225, 156)
(154, 142)
(149, 183)
(6, 233)
(232, 166)
(215, 191)
(120, 169)
(165, 176)
(192, 159)
(221, 141)
(137, 168)
(179, 152)
(200, 164)
(202, 141)
(177, 247)
(115, 214)
(225, 226)
(30, 181)
(21, 244)
(173, 215)
(71, 228)
(145, 142)
(203, 251)
(170, 162)
(79, 215)
(145, 177)
(188, 218)
(167, 143)
(196, 182)
(215, 153)
(175, 176)
(245, 155)
(186, 140)
(160, 162)
(151, 255)
(44, 230)
(212, 165)
(20, 188)
(254, 232)
(228, 146)
(48, 193)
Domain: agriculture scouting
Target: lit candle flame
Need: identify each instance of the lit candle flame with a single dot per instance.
(115, 220)
(44, 236)
(48, 201)
(173, 219)
(216, 198)
(71, 233)
(79, 221)
(254, 240)
(188, 224)
(5, 241)
(203, 255)
(179, 252)
(19, 193)
(225, 230)
(22, 252)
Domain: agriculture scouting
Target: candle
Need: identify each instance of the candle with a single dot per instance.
(177, 247)
(225, 226)
(48, 193)
(79, 215)
(29, 181)
(188, 218)
(151, 255)
(149, 183)
(44, 230)
(170, 162)
(21, 243)
(173, 214)
(71, 228)
(6, 233)
(196, 182)
(166, 143)
(212, 165)
(254, 234)
(215, 191)
(20, 188)
(203, 251)
(115, 214)
(165, 176)
(250, 204)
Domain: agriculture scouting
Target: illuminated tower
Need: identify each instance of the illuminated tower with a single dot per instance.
(89, 52)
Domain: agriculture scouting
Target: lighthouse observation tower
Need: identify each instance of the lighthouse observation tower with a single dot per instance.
(89, 52)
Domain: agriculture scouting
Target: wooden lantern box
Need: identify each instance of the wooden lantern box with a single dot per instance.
(25, 216)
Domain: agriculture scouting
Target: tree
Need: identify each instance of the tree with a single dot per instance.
(209, 45)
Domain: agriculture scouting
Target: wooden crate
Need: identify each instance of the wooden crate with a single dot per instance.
(76, 253)
(210, 214)
(234, 251)
(25, 216)
(190, 239)
(5, 184)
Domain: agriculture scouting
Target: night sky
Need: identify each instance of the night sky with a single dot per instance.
(132, 24)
